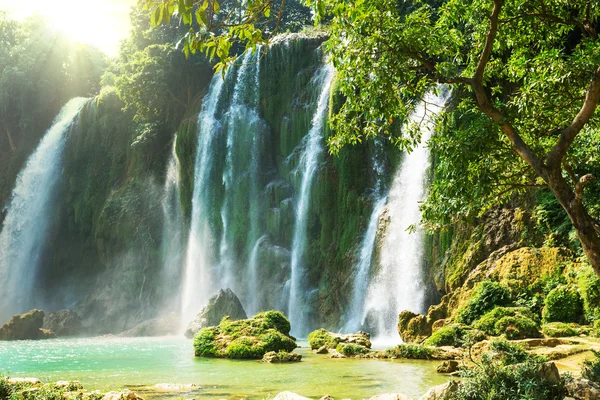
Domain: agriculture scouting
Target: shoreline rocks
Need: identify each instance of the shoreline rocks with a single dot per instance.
(26, 326)
(224, 303)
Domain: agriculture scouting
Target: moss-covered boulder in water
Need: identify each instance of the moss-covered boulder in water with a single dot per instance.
(321, 337)
(281, 357)
(246, 338)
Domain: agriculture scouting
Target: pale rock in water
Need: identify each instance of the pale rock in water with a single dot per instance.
(224, 303)
(289, 396)
(63, 323)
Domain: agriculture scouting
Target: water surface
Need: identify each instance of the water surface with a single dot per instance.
(115, 363)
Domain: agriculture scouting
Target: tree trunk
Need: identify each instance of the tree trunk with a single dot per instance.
(584, 224)
(10, 140)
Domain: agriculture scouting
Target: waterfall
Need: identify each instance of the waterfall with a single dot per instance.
(197, 279)
(398, 283)
(172, 236)
(29, 213)
(313, 147)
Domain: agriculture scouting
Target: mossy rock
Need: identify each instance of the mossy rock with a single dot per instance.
(487, 323)
(562, 304)
(517, 327)
(281, 357)
(410, 351)
(248, 338)
(562, 329)
(321, 337)
(351, 349)
(413, 328)
(486, 296)
(454, 335)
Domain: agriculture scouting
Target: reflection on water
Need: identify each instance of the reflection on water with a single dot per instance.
(141, 363)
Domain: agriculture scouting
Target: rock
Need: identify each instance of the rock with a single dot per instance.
(583, 389)
(322, 338)
(413, 328)
(447, 367)
(224, 303)
(281, 357)
(246, 338)
(25, 326)
(549, 372)
(28, 381)
(289, 396)
(326, 397)
(335, 354)
(322, 350)
(70, 385)
(161, 326)
(123, 395)
(441, 392)
(63, 323)
(391, 396)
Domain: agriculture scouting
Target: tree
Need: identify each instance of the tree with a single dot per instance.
(526, 75)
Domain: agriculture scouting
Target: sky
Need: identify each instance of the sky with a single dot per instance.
(102, 23)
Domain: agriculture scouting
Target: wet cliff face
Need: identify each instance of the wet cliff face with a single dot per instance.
(105, 253)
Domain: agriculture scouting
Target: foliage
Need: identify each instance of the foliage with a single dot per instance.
(589, 289)
(410, 351)
(249, 338)
(517, 327)
(487, 295)
(562, 304)
(591, 368)
(48, 391)
(321, 337)
(351, 349)
(453, 335)
(488, 322)
(508, 373)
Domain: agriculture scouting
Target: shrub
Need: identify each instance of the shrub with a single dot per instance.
(562, 304)
(487, 295)
(559, 329)
(320, 338)
(453, 335)
(351, 349)
(596, 328)
(517, 327)
(591, 368)
(412, 351)
(204, 343)
(509, 353)
(589, 288)
(487, 323)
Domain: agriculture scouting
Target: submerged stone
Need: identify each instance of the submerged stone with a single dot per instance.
(247, 338)
(26, 326)
(281, 357)
(224, 303)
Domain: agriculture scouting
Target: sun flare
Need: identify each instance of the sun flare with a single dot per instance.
(101, 23)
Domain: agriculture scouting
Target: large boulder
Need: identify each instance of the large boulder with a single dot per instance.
(26, 326)
(414, 328)
(441, 392)
(63, 323)
(224, 303)
(161, 326)
(246, 338)
(583, 389)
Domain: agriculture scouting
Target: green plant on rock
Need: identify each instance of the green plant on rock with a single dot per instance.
(509, 353)
(410, 351)
(487, 323)
(351, 349)
(560, 329)
(563, 304)
(454, 335)
(320, 338)
(204, 343)
(485, 297)
(589, 288)
(591, 368)
(517, 327)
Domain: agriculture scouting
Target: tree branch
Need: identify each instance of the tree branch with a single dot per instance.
(584, 180)
(489, 41)
(584, 115)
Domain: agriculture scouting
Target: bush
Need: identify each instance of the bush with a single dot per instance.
(411, 351)
(485, 297)
(559, 329)
(517, 327)
(487, 323)
(509, 373)
(320, 338)
(204, 343)
(453, 335)
(350, 349)
(591, 368)
(589, 288)
(562, 304)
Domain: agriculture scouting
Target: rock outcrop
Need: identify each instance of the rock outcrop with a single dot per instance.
(26, 326)
(224, 303)
(63, 323)
(161, 326)
(246, 338)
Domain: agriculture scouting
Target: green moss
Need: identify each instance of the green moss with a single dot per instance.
(487, 323)
(410, 351)
(562, 304)
(560, 329)
(320, 338)
(486, 296)
(449, 335)
(517, 327)
(351, 349)
(204, 343)
(589, 289)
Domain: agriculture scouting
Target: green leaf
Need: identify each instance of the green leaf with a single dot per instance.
(216, 6)
(201, 16)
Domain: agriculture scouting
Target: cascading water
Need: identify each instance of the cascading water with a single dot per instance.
(309, 160)
(172, 239)
(197, 279)
(398, 285)
(361, 276)
(28, 215)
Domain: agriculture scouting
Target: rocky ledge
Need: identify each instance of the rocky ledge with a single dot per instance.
(26, 326)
